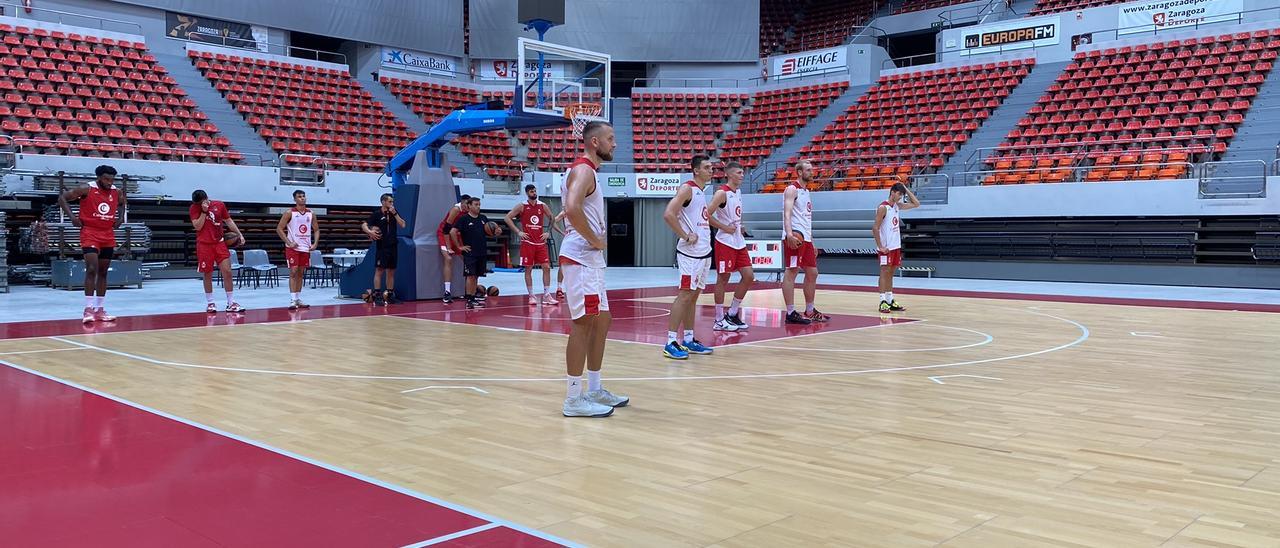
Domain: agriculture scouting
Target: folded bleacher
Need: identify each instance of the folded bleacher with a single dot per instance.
(76, 94)
(669, 128)
(773, 116)
(1139, 112)
(907, 123)
(307, 111)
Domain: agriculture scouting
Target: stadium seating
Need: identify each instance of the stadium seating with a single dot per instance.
(83, 95)
(1138, 112)
(907, 123)
(775, 18)
(773, 116)
(307, 111)
(920, 5)
(1044, 7)
(827, 23)
(669, 128)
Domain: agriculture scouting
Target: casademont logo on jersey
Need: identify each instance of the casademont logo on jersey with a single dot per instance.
(791, 66)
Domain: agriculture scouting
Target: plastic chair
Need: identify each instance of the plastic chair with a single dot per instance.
(258, 263)
(318, 271)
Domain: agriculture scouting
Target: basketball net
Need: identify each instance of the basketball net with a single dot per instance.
(581, 114)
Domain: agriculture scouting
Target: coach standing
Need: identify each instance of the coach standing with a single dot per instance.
(381, 227)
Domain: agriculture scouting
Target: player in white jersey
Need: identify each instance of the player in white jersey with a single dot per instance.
(583, 263)
(300, 230)
(689, 218)
(731, 248)
(797, 247)
(888, 235)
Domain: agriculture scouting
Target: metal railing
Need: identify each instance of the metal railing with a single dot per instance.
(60, 17)
(911, 61)
(133, 151)
(950, 16)
(1077, 173)
(1154, 30)
(640, 84)
(831, 38)
(1209, 177)
(278, 49)
(983, 154)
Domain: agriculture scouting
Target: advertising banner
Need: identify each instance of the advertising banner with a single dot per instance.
(795, 65)
(1012, 35)
(416, 61)
(648, 184)
(1167, 14)
(215, 31)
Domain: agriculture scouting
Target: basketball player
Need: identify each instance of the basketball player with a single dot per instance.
(209, 217)
(582, 261)
(687, 216)
(300, 230)
(533, 235)
(889, 241)
(731, 249)
(471, 238)
(447, 251)
(102, 209)
(381, 227)
(797, 251)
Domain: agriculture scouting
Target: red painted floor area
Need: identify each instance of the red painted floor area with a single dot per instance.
(78, 469)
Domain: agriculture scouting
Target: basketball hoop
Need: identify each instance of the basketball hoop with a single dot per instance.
(581, 114)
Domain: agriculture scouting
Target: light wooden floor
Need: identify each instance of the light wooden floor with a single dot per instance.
(1094, 437)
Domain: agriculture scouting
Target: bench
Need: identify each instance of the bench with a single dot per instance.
(928, 270)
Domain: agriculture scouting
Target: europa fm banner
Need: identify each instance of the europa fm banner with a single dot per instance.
(416, 61)
(1156, 16)
(1011, 35)
(799, 64)
(658, 185)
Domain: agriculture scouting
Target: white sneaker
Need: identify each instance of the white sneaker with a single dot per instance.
(548, 300)
(605, 397)
(582, 407)
(724, 325)
(533, 301)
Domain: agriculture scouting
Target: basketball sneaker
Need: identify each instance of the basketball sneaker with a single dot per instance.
(817, 317)
(735, 319)
(694, 347)
(560, 296)
(211, 309)
(447, 299)
(471, 304)
(293, 305)
(235, 308)
(533, 301)
(723, 324)
(378, 300)
(88, 315)
(795, 318)
(675, 351)
(885, 308)
(102, 316)
(894, 306)
(391, 298)
(605, 397)
(583, 407)
(549, 300)
(303, 305)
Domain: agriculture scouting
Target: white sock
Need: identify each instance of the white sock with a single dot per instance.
(884, 297)
(447, 287)
(688, 335)
(545, 291)
(230, 298)
(808, 307)
(890, 296)
(733, 308)
(295, 296)
(90, 301)
(573, 387)
(593, 380)
(791, 308)
(102, 299)
(208, 297)
(719, 311)
(671, 337)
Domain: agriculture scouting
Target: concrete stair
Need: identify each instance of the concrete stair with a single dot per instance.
(231, 124)
(805, 134)
(417, 125)
(1256, 140)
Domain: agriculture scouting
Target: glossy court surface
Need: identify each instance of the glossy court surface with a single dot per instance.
(969, 420)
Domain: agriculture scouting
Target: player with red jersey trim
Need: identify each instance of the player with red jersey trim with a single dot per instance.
(299, 228)
(730, 249)
(447, 248)
(209, 217)
(102, 209)
(534, 234)
(797, 247)
(888, 234)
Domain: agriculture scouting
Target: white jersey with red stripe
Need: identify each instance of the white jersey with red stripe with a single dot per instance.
(890, 234)
(802, 213)
(730, 213)
(576, 247)
(300, 229)
(694, 220)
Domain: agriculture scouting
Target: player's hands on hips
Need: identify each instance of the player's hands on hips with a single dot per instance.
(522, 235)
(546, 236)
(597, 243)
(882, 250)
(291, 245)
(691, 238)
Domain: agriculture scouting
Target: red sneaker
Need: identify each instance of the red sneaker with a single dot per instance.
(102, 316)
(88, 315)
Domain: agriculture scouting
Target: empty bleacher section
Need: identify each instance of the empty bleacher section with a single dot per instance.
(79, 94)
(1148, 111)
(310, 114)
(1044, 7)
(908, 123)
(828, 23)
(776, 17)
(670, 127)
(491, 151)
(920, 5)
(772, 116)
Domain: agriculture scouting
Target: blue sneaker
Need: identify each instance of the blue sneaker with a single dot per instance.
(675, 351)
(695, 347)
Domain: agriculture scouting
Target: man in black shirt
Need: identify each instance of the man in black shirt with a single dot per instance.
(381, 227)
(471, 233)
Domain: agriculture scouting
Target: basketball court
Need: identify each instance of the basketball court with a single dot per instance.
(971, 419)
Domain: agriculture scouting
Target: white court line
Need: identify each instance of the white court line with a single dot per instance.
(987, 340)
(443, 387)
(938, 378)
(665, 312)
(295, 456)
(39, 351)
(1084, 335)
(449, 537)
